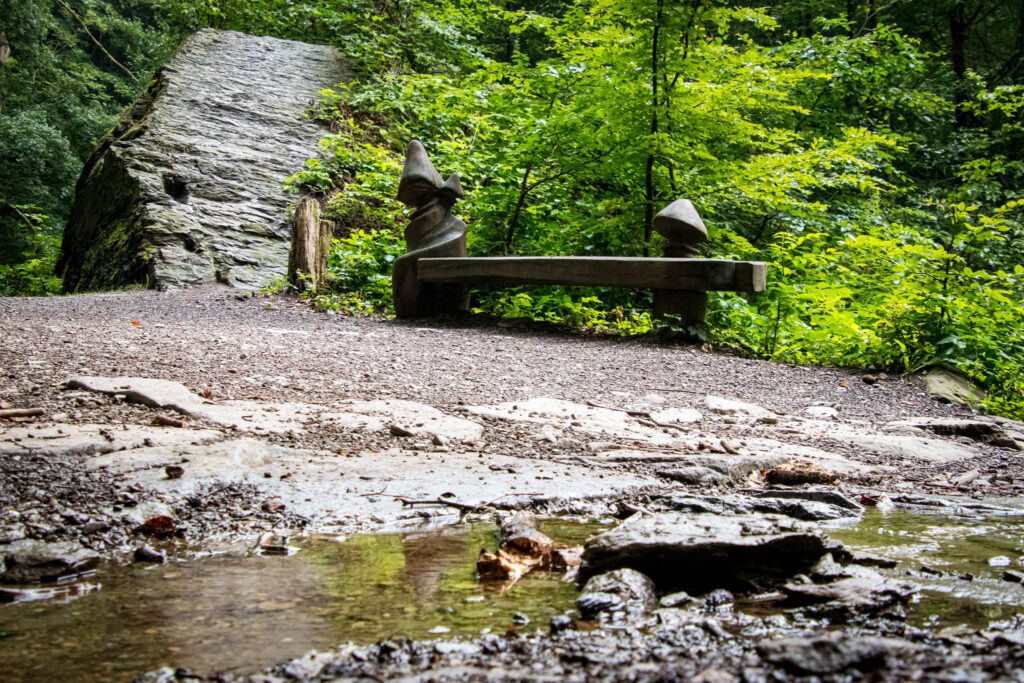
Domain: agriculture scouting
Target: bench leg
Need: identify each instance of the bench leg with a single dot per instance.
(690, 306)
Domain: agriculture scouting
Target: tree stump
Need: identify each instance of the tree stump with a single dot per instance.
(311, 245)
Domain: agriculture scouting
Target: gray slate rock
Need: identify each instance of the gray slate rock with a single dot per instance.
(865, 591)
(31, 561)
(618, 589)
(698, 553)
(805, 508)
(695, 475)
(187, 186)
(832, 653)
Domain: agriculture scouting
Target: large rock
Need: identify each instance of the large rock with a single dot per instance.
(30, 561)
(187, 186)
(697, 553)
(832, 653)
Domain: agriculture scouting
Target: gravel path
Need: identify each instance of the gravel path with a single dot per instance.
(223, 345)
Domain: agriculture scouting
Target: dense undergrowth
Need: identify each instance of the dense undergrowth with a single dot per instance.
(872, 160)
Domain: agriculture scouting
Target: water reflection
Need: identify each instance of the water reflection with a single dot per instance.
(215, 612)
(960, 585)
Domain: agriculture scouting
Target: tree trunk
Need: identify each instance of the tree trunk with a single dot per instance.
(311, 245)
(649, 167)
(958, 25)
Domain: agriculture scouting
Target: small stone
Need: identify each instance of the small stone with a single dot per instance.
(398, 430)
(520, 619)
(1013, 577)
(272, 506)
(146, 554)
(560, 623)
(174, 471)
(159, 526)
(821, 412)
(718, 598)
(800, 472)
(999, 561)
(675, 599)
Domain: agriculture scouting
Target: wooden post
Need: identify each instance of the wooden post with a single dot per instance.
(311, 245)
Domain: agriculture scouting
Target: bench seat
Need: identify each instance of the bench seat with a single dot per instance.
(690, 274)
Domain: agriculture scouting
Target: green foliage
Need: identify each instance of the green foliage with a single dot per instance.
(872, 158)
(33, 274)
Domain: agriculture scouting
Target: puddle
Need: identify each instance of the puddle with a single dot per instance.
(951, 547)
(215, 612)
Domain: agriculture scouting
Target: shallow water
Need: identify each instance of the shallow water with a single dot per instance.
(981, 546)
(214, 612)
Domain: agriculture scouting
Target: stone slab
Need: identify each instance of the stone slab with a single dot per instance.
(319, 484)
(568, 415)
(89, 439)
(697, 553)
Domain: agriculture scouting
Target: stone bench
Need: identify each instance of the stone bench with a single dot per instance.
(435, 274)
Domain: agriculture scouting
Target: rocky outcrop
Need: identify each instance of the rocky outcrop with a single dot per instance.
(187, 186)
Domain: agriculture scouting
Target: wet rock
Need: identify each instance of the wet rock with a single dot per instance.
(187, 186)
(864, 559)
(866, 591)
(307, 666)
(592, 604)
(828, 496)
(273, 543)
(675, 599)
(794, 506)
(800, 472)
(29, 561)
(160, 526)
(1013, 577)
(695, 475)
(833, 653)
(520, 619)
(618, 589)
(146, 554)
(718, 598)
(560, 623)
(698, 553)
(807, 510)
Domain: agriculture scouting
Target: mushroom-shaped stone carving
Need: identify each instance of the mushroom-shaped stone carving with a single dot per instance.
(432, 232)
(680, 224)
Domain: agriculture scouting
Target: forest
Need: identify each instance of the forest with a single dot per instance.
(870, 151)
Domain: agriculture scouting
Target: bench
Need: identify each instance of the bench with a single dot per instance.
(434, 275)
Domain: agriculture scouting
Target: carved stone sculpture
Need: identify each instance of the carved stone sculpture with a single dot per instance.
(681, 225)
(432, 232)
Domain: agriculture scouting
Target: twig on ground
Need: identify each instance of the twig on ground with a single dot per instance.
(167, 421)
(631, 413)
(375, 493)
(21, 412)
